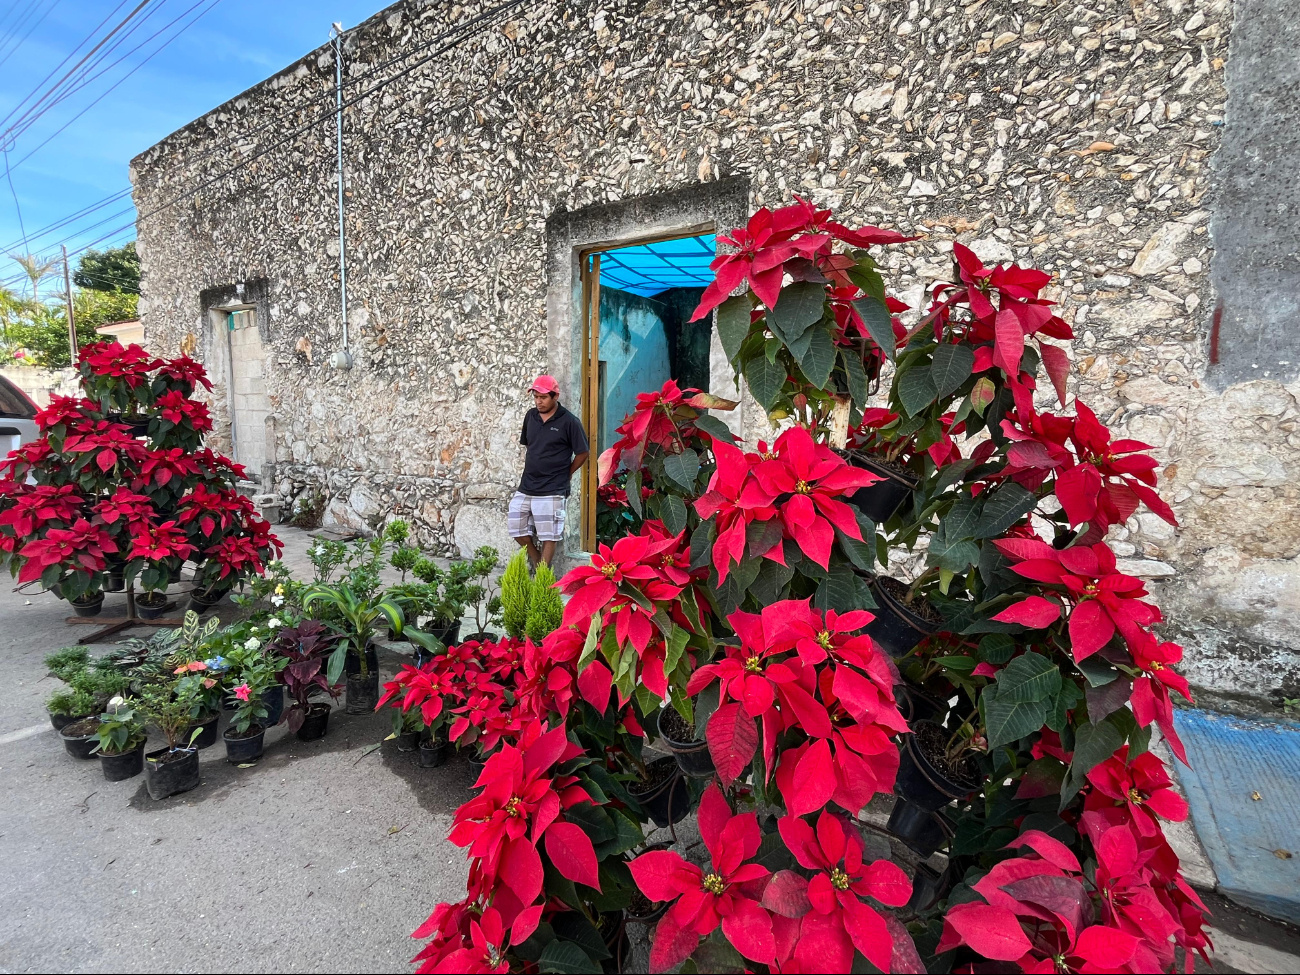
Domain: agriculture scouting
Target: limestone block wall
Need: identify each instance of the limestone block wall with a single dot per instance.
(1078, 137)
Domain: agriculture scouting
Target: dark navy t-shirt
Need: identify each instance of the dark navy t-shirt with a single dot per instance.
(552, 445)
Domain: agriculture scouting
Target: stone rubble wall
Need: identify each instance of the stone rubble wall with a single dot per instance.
(1077, 137)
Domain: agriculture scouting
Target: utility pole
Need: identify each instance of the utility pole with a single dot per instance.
(72, 324)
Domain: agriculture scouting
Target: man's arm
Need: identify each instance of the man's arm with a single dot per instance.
(578, 461)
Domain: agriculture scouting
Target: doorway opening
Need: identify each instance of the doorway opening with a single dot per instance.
(637, 301)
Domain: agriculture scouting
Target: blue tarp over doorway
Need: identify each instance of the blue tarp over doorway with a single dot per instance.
(649, 269)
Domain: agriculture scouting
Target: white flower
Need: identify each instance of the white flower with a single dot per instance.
(274, 622)
(252, 643)
(277, 600)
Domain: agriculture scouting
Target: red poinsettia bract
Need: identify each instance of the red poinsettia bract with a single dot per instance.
(1104, 600)
(727, 894)
(833, 917)
(520, 807)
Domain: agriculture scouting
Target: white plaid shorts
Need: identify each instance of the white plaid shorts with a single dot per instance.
(543, 516)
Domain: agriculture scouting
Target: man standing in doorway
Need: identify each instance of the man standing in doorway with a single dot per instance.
(557, 446)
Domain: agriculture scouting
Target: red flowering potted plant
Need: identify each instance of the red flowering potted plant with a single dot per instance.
(118, 489)
(743, 595)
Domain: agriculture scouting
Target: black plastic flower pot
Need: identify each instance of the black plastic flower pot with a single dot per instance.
(407, 741)
(116, 578)
(433, 752)
(363, 692)
(915, 704)
(167, 772)
(127, 765)
(89, 606)
(665, 798)
(613, 931)
(918, 828)
(482, 636)
(314, 723)
(207, 731)
(273, 698)
(203, 602)
(897, 627)
(61, 721)
(352, 661)
(928, 885)
(79, 738)
(880, 501)
(692, 755)
(151, 605)
(476, 767)
(246, 748)
(919, 781)
(446, 631)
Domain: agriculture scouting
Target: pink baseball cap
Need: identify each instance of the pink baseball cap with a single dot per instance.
(544, 384)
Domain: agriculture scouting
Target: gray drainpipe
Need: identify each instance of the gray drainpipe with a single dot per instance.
(342, 358)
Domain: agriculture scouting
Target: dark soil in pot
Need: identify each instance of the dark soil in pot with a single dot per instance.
(926, 777)
(88, 607)
(168, 772)
(79, 737)
(246, 747)
(433, 752)
(692, 755)
(207, 726)
(882, 500)
(899, 626)
(363, 692)
(151, 605)
(642, 910)
(314, 723)
(663, 794)
(127, 765)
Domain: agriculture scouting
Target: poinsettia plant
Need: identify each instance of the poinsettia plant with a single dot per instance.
(1004, 692)
(119, 486)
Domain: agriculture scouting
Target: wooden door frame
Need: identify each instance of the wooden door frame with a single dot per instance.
(589, 271)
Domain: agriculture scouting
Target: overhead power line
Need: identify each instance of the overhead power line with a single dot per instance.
(61, 129)
(17, 42)
(445, 41)
(27, 113)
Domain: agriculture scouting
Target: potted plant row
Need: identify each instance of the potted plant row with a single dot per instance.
(118, 490)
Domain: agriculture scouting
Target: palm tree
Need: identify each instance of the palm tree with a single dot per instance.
(36, 268)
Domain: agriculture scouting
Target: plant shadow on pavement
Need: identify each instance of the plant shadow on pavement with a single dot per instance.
(438, 790)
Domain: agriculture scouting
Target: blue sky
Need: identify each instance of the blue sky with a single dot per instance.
(233, 45)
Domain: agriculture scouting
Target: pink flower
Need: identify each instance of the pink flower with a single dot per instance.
(242, 691)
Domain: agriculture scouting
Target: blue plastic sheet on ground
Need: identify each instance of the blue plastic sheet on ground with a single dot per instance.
(1244, 792)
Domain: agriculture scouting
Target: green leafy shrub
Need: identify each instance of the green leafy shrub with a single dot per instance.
(516, 591)
(67, 662)
(545, 611)
(75, 704)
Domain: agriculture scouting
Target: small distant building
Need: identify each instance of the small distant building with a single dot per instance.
(124, 332)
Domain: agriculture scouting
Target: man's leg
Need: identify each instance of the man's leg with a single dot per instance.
(531, 548)
(519, 521)
(548, 515)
